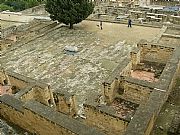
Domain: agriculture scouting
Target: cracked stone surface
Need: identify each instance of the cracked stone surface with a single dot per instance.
(82, 73)
(6, 24)
(7, 129)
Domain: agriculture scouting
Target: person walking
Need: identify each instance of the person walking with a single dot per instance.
(101, 25)
(129, 23)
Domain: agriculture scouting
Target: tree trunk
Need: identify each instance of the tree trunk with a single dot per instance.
(71, 26)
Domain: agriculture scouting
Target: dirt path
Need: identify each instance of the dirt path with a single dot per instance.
(114, 32)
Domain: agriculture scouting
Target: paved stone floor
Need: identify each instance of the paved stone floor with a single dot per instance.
(100, 52)
(5, 24)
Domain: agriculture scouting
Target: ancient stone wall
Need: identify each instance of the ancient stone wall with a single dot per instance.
(4, 77)
(31, 121)
(111, 86)
(126, 71)
(23, 27)
(42, 95)
(25, 94)
(135, 58)
(19, 81)
(109, 90)
(26, 89)
(65, 103)
(13, 115)
(106, 121)
(130, 89)
(40, 119)
(150, 125)
(136, 92)
(146, 115)
(155, 53)
(20, 84)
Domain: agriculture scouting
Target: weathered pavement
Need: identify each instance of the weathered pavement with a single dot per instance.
(82, 73)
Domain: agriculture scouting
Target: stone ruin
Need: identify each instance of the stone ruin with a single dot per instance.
(141, 12)
(130, 100)
(125, 100)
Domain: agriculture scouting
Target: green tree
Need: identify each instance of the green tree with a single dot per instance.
(19, 5)
(5, 7)
(69, 11)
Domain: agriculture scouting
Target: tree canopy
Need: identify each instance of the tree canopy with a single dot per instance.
(18, 5)
(5, 7)
(69, 12)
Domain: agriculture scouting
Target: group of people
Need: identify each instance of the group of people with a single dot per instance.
(129, 24)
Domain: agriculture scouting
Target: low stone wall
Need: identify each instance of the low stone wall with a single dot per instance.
(40, 119)
(43, 96)
(137, 91)
(145, 116)
(135, 58)
(128, 88)
(111, 84)
(104, 118)
(19, 81)
(25, 88)
(155, 53)
(65, 103)
(3, 77)
(109, 90)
